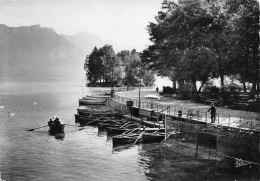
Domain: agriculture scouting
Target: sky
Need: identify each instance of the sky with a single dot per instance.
(122, 22)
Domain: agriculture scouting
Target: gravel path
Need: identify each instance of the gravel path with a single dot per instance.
(225, 116)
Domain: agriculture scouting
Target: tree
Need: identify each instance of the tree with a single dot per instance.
(94, 67)
(179, 39)
(198, 40)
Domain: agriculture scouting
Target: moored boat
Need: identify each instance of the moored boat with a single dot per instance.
(97, 97)
(133, 136)
(84, 120)
(83, 112)
(91, 102)
(110, 123)
(115, 130)
(93, 99)
(153, 137)
(126, 139)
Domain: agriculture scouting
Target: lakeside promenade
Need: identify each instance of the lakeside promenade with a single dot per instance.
(196, 111)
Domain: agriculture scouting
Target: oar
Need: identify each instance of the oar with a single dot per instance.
(166, 137)
(130, 131)
(124, 124)
(70, 124)
(138, 138)
(35, 128)
(87, 124)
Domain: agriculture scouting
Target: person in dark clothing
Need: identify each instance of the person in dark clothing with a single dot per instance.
(212, 110)
(50, 122)
(157, 89)
(56, 121)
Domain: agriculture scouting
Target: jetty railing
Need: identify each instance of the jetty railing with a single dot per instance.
(192, 113)
(125, 88)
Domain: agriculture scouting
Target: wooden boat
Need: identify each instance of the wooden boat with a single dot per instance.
(91, 102)
(119, 130)
(83, 120)
(153, 137)
(113, 123)
(156, 136)
(93, 99)
(125, 139)
(133, 136)
(93, 110)
(56, 128)
(83, 112)
(97, 97)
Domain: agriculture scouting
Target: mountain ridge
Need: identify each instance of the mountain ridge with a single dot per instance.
(39, 53)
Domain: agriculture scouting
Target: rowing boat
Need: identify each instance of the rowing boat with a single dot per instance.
(153, 137)
(113, 123)
(85, 112)
(116, 130)
(56, 128)
(133, 136)
(91, 102)
(97, 97)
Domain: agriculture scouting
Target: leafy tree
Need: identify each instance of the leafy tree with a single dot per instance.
(94, 67)
(245, 45)
(104, 66)
(198, 40)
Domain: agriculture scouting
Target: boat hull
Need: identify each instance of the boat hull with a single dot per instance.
(121, 140)
(91, 102)
(56, 129)
(152, 137)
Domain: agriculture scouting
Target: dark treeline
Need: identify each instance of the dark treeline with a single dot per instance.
(106, 68)
(200, 40)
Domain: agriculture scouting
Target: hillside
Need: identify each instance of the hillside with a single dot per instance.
(35, 53)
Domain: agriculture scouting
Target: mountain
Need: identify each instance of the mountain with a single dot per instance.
(85, 41)
(35, 53)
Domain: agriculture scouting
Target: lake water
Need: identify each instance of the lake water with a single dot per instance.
(78, 154)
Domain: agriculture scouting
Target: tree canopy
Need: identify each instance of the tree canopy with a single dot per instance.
(197, 40)
(106, 68)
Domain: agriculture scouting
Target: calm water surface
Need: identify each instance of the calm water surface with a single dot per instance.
(78, 154)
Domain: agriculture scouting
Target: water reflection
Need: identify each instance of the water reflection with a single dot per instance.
(58, 136)
(102, 133)
(120, 148)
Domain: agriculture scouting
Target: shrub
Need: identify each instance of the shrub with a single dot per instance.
(168, 90)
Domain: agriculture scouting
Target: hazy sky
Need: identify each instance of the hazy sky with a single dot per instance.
(123, 22)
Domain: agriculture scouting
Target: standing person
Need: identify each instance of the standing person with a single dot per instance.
(157, 89)
(212, 110)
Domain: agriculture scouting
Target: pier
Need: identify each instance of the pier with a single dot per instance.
(232, 142)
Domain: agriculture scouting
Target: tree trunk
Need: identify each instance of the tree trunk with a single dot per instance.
(222, 80)
(174, 85)
(244, 86)
(194, 87)
(253, 90)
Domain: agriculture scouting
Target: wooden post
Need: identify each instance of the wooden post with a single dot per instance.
(165, 125)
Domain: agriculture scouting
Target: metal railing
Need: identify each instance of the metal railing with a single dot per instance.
(192, 113)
